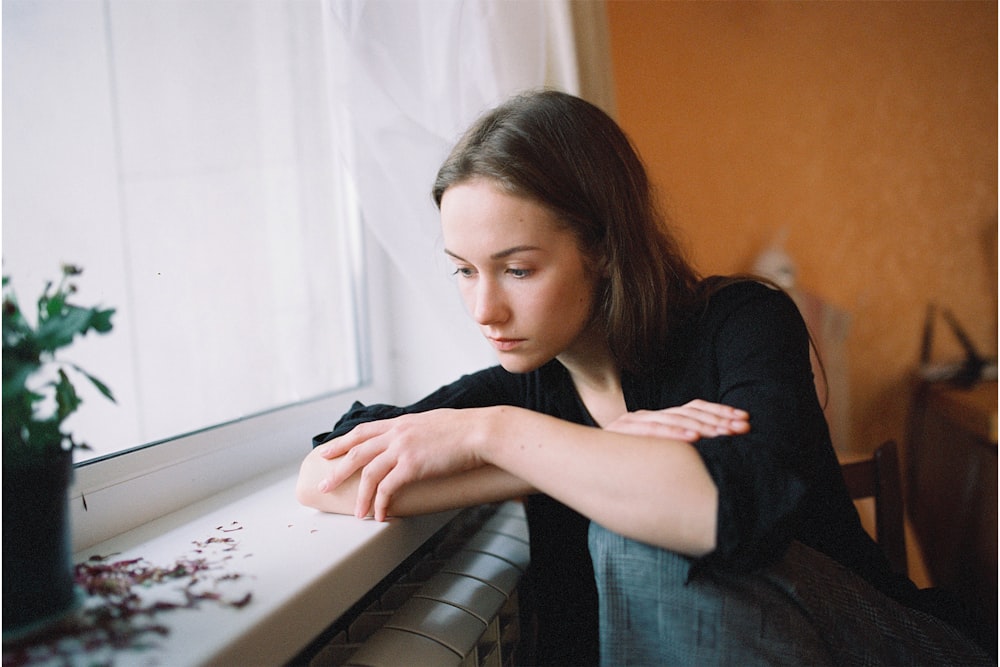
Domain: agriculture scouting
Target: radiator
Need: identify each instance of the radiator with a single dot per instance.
(458, 605)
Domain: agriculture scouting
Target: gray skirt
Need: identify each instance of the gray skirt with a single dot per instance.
(805, 610)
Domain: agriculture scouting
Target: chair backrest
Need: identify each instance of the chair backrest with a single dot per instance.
(879, 478)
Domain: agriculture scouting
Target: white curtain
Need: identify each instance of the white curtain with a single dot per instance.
(183, 153)
(411, 77)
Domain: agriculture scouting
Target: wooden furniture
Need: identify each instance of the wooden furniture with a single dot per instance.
(952, 489)
(878, 477)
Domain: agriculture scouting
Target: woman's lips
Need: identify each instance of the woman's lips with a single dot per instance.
(505, 344)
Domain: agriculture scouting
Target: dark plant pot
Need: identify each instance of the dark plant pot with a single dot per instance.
(38, 584)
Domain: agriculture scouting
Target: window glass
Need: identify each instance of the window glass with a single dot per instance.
(182, 153)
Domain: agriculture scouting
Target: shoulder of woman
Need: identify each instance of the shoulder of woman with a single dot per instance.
(726, 293)
(753, 313)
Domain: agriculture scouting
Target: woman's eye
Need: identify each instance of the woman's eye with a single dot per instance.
(463, 271)
(519, 273)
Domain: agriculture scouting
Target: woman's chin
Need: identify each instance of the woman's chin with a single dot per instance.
(513, 363)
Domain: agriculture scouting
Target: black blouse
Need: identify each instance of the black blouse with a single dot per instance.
(748, 348)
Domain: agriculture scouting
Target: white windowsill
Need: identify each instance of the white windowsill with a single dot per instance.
(304, 569)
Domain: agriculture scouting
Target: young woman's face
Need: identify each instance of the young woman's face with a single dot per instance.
(521, 275)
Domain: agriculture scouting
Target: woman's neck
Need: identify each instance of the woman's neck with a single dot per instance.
(597, 379)
(602, 396)
(589, 360)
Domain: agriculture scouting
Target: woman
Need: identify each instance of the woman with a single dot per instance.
(622, 408)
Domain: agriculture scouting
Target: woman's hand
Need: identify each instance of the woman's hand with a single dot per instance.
(393, 452)
(689, 422)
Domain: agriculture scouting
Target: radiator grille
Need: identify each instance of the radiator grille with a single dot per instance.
(458, 605)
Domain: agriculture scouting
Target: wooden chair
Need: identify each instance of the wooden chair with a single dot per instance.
(879, 478)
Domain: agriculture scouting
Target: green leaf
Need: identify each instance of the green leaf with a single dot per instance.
(67, 400)
(15, 375)
(101, 319)
(27, 432)
(14, 324)
(59, 330)
(101, 387)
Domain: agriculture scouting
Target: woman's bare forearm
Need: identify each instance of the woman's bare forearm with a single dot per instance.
(652, 489)
(466, 489)
(655, 490)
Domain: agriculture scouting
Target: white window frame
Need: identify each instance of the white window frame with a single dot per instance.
(114, 495)
(413, 345)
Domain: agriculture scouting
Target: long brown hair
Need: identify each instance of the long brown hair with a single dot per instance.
(571, 157)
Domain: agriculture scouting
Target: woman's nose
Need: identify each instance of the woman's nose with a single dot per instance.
(489, 307)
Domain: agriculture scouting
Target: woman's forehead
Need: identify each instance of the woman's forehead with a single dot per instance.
(479, 213)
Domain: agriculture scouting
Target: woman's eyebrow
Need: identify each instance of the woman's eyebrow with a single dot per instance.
(498, 255)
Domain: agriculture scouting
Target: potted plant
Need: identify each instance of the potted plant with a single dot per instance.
(38, 396)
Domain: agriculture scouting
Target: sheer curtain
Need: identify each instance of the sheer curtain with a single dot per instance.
(190, 156)
(411, 77)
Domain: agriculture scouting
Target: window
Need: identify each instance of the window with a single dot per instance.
(192, 156)
(183, 153)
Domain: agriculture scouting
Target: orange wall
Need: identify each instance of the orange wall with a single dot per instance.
(867, 130)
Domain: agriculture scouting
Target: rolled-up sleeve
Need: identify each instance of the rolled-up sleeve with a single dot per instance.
(761, 352)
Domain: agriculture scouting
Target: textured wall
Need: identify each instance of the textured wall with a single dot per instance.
(866, 131)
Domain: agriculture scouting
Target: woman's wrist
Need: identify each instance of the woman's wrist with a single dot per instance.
(492, 423)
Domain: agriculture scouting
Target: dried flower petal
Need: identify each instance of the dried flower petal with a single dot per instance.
(116, 617)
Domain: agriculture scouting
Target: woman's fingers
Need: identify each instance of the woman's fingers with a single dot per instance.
(708, 418)
(394, 452)
(341, 445)
(689, 422)
(356, 450)
(718, 409)
(334, 448)
(387, 488)
(371, 485)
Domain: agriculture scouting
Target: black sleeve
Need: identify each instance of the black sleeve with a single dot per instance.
(493, 386)
(761, 352)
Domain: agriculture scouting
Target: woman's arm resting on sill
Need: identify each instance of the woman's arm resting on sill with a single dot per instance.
(466, 489)
(652, 489)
